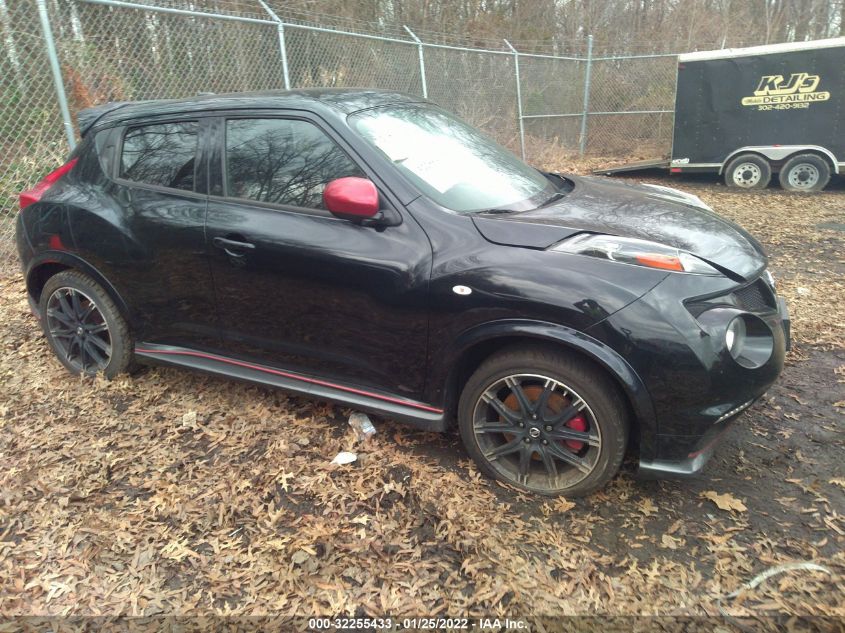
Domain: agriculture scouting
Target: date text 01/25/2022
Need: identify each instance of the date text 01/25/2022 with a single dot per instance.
(418, 624)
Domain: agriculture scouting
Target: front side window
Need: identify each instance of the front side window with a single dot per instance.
(451, 162)
(162, 154)
(282, 161)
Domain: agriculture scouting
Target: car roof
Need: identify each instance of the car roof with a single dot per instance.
(338, 100)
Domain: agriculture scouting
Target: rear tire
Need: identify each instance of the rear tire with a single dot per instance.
(84, 327)
(805, 172)
(567, 436)
(748, 171)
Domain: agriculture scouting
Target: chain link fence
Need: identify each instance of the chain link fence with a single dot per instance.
(542, 106)
(30, 122)
(632, 101)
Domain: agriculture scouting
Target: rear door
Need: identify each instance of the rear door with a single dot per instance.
(298, 288)
(161, 188)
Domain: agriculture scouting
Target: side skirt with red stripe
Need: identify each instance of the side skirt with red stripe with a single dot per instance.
(417, 413)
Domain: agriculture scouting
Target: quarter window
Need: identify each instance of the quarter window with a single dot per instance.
(162, 154)
(282, 161)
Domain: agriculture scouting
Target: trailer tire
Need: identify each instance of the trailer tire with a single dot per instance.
(805, 172)
(748, 171)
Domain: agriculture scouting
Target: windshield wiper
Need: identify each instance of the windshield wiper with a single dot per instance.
(554, 198)
(497, 211)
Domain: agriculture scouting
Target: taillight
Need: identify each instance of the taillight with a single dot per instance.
(34, 195)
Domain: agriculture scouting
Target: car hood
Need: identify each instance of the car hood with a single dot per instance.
(650, 212)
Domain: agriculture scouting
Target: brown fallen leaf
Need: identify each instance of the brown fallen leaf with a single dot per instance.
(562, 505)
(670, 541)
(647, 507)
(831, 523)
(798, 400)
(725, 501)
(300, 556)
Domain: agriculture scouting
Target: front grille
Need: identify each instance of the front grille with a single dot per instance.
(757, 297)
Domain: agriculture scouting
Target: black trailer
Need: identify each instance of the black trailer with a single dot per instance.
(749, 113)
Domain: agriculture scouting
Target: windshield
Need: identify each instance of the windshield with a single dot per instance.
(451, 162)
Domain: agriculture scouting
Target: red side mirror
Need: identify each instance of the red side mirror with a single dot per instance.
(351, 198)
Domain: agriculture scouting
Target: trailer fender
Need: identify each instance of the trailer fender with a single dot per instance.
(781, 152)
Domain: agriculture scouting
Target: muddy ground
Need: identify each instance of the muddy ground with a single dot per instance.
(175, 493)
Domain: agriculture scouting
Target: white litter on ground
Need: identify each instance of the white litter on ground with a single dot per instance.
(344, 457)
(362, 425)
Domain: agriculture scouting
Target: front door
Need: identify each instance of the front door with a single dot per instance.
(300, 289)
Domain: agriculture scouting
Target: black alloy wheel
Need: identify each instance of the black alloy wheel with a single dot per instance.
(527, 418)
(84, 327)
(79, 330)
(551, 432)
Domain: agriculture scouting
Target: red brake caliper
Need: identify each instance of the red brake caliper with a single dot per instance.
(578, 423)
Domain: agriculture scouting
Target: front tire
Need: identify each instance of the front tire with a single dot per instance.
(748, 171)
(83, 326)
(805, 172)
(544, 421)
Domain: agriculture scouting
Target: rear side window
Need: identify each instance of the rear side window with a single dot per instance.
(282, 161)
(162, 154)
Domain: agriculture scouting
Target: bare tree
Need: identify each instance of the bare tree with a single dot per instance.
(619, 25)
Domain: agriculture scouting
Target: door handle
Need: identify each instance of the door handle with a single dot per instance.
(233, 248)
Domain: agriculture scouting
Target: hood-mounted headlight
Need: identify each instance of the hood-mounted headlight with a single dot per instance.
(631, 250)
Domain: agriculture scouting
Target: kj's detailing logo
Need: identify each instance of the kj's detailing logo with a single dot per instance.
(774, 89)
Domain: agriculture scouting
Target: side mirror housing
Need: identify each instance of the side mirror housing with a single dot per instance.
(352, 198)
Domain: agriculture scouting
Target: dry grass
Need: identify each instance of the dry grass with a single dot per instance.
(177, 493)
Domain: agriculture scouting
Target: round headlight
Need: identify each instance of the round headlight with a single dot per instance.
(749, 341)
(746, 337)
(735, 336)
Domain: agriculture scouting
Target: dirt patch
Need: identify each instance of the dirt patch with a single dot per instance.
(176, 493)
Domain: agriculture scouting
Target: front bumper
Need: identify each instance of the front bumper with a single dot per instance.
(702, 448)
(697, 389)
(786, 323)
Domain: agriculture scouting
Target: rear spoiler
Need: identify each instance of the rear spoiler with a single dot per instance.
(88, 117)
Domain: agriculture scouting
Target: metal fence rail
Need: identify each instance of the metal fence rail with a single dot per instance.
(63, 55)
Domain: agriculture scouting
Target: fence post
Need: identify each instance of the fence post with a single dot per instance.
(586, 113)
(422, 61)
(284, 51)
(280, 26)
(55, 68)
(518, 99)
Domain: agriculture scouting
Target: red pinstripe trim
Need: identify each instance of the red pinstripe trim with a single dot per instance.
(284, 374)
(710, 444)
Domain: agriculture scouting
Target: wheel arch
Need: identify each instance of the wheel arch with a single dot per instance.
(776, 155)
(480, 342)
(49, 263)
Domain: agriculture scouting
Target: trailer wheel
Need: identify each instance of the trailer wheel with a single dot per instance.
(805, 172)
(748, 171)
